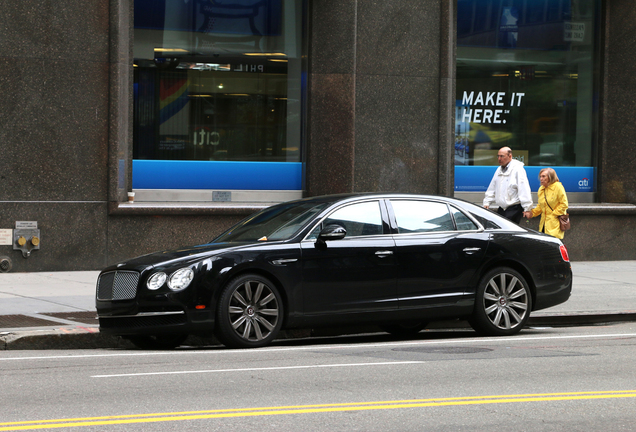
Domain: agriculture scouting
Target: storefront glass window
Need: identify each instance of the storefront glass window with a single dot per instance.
(218, 94)
(527, 78)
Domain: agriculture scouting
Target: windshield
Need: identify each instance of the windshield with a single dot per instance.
(280, 222)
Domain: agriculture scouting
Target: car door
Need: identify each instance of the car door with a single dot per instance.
(438, 250)
(357, 273)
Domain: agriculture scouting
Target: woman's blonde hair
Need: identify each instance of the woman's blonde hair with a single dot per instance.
(552, 175)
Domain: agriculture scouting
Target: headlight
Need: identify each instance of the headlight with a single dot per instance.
(156, 281)
(180, 279)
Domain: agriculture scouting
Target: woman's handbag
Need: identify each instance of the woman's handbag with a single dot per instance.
(564, 220)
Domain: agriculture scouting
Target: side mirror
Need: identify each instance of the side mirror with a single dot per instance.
(331, 232)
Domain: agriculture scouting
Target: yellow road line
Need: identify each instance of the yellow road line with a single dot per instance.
(305, 409)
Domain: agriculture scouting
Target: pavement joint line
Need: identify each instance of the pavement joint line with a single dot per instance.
(52, 318)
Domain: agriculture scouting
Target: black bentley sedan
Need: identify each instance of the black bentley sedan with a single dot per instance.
(398, 261)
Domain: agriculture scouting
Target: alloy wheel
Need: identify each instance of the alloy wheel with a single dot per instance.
(253, 310)
(506, 301)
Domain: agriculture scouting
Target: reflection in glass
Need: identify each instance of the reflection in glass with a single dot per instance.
(421, 216)
(527, 73)
(279, 222)
(462, 221)
(218, 81)
(358, 219)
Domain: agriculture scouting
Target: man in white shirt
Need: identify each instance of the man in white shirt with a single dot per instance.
(509, 187)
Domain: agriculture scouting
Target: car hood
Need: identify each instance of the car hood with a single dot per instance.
(172, 257)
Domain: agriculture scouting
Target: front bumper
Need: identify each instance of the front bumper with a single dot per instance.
(125, 308)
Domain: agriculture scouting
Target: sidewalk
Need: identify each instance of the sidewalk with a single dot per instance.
(56, 310)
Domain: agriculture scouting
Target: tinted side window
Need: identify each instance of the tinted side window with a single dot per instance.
(422, 216)
(486, 223)
(462, 221)
(359, 219)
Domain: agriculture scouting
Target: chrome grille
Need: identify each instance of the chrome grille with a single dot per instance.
(117, 285)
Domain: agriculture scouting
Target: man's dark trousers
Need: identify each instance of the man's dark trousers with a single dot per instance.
(513, 213)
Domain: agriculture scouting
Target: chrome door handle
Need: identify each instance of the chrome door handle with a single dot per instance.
(383, 254)
(471, 251)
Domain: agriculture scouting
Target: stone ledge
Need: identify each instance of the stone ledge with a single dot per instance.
(245, 209)
(602, 209)
(184, 208)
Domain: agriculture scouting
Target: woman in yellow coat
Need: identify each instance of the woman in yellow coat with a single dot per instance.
(552, 202)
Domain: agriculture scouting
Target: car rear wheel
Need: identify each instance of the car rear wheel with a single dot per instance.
(502, 304)
(250, 312)
(158, 342)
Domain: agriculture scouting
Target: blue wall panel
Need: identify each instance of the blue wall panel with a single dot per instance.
(162, 174)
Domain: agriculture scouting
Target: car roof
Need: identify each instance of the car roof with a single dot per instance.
(473, 208)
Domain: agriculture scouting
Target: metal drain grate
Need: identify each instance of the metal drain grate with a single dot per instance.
(83, 317)
(15, 321)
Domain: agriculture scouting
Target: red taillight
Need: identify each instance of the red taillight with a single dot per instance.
(564, 253)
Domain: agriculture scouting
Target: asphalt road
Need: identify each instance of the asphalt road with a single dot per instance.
(546, 379)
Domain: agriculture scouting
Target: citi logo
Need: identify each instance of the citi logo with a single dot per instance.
(203, 136)
(584, 183)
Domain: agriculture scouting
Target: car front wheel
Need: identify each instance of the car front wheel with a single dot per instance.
(250, 312)
(502, 304)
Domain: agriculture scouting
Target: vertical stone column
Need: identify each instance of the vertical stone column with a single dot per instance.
(120, 111)
(381, 96)
(448, 55)
(616, 173)
(331, 96)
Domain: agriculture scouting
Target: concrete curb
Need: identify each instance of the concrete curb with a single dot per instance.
(91, 338)
(569, 319)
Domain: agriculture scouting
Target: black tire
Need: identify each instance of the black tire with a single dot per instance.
(404, 329)
(250, 312)
(503, 303)
(158, 342)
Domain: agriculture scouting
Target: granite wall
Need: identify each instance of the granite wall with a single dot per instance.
(380, 81)
(617, 159)
(54, 129)
(380, 118)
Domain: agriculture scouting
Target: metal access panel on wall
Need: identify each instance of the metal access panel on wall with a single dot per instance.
(26, 237)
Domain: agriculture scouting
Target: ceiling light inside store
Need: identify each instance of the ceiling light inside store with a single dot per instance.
(170, 50)
(278, 60)
(266, 54)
